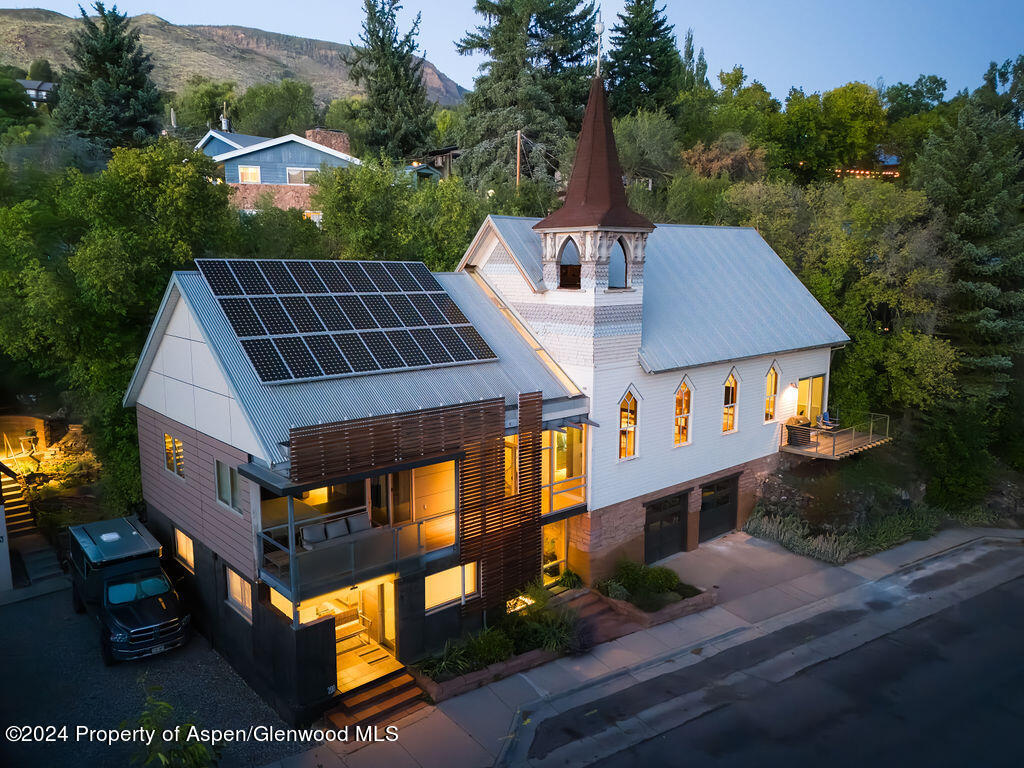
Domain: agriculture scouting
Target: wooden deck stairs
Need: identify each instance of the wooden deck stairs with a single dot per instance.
(379, 702)
(16, 510)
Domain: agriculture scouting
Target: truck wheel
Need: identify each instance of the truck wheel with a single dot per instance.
(76, 600)
(105, 650)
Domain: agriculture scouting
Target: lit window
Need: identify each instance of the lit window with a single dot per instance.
(627, 426)
(174, 455)
(563, 469)
(315, 216)
(553, 551)
(227, 485)
(771, 392)
(248, 174)
(239, 593)
(682, 426)
(729, 404)
(511, 465)
(184, 550)
(300, 175)
(451, 586)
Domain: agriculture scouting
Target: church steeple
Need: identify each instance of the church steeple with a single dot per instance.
(596, 197)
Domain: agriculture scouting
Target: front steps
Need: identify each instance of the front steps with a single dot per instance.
(16, 510)
(379, 702)
(38, 557)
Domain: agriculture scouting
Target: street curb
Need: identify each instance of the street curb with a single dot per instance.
(45, 587)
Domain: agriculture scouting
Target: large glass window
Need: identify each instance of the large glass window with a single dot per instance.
(771, 393)
(227, 485)
(425, 496)
(344, 497)
(554, 551)
(563, 471)
(184, 550)
(682, 421)
(239, 593)
(627, 426)
(729, 404)
(451, 586)
(174, 455)
(810, 397)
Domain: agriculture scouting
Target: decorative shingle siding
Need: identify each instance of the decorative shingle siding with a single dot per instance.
(191, 502)
(275, 161)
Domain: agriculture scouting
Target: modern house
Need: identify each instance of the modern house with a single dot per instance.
(280, 168)
(38, 91)
(355, 461)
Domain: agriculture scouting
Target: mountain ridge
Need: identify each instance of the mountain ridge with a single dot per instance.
(244, 55)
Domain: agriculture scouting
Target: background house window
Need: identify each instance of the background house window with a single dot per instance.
(300, 175)
(227, 485)
(682, 425)
(569, 265)
(248, 174)
(451, 586)
(184, 550)
(239, 593)
(511, 465)
(627, 426)
(174, 455)
(729, 405)
(771, 393)
(316, 217)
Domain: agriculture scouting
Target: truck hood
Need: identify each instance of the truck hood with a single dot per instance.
(147, 612)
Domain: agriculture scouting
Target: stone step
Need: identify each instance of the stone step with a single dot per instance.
(399, 704)
(378, 689)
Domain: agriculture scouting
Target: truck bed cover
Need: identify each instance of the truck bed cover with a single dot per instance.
(120, 538)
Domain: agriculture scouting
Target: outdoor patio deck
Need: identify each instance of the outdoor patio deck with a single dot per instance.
(835, 444)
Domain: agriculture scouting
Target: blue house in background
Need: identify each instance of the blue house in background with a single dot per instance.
(257, 166)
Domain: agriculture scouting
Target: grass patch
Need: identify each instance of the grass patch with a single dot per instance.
(649, 589)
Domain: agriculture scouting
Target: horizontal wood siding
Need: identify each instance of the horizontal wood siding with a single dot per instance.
(191, 502)
(274, 162)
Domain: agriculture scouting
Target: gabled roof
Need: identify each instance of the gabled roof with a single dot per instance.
(710, 294)
(291, 137)
(236, 140)
(36, 85)
(596, 196)
(271, 410)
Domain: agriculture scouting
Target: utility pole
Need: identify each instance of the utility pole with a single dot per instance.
(519, 148)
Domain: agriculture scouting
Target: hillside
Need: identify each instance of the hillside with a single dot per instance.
(243, 55)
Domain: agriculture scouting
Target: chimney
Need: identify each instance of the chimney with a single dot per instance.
(336, 140)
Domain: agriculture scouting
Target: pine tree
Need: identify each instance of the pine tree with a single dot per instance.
(107, 94)
(565, 42)
(644, 67)
(398, 113)
(694, 72)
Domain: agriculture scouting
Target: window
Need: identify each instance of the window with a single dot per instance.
(227, 485)
(248, 174)
(424, 496)
(563, 475)
(682, 425)
(300, 175)
(617, 266)
(627, 426)
(511, 465)
(771, 393)
(316, 217)
(729, 404)
(810, 397)
(239, 593)
(174, 455)
(553, 554)
(184, 551)
(451, 586)
(569, 265)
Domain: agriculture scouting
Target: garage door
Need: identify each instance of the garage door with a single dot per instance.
(665, 528)
(717, 509)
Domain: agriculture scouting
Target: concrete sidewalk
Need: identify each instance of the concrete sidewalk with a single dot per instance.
(762, 587)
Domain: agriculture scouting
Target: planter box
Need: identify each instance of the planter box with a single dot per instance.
(695, 604)
(472, 680)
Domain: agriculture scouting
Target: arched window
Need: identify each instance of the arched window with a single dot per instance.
(569, 265)
(729, 404)
(627, 426)
(617, 266)
(771, 393)
(682, 427)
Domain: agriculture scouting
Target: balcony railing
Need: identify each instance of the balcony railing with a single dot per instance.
(836, 443)
(307, 568)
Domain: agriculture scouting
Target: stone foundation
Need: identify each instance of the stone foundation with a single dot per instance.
(248, 197)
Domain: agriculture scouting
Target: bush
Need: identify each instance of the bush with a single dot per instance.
(662, 579)
(794, 534)
(894, 528)
(570, 580)
(488, 647)
(451, 662)
(614, 590)
(631, 575)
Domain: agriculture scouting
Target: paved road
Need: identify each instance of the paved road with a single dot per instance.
(52, 674)
(946, 691)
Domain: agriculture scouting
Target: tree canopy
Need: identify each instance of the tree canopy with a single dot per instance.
(645, 70)
(275, 109)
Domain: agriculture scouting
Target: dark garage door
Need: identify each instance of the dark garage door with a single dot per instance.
(665, 529)
(717, 509)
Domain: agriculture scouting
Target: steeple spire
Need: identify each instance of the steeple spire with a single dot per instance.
(596, 196)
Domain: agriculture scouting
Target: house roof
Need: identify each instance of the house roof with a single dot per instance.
(236, 140)
(36, 85)
(291, 137)
(596, 196)
(739, 297)
(272, 410)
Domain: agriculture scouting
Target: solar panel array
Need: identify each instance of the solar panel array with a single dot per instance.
(302, 320)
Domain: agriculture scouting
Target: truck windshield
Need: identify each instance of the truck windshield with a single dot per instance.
(137, 587)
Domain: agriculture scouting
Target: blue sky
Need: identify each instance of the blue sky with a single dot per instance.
(816, 45)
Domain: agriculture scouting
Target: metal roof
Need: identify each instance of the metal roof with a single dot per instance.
(710, 294)
(273, 409)
(119, 538)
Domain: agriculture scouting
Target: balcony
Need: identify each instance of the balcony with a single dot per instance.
(836, 442)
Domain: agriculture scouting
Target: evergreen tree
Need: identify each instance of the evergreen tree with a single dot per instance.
(397, 114)
(644, 66)
(565, 46)
(694, 72)
(107, 94)
(40, 69)
(15, 108)
(971, 170)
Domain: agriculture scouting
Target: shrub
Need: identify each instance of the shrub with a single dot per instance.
(662, 579)
(894, 528)
(570, 580)
(451, 662)
(614, 590)
(794, 534)
(631, 575)
(556, 632)
(488, 647)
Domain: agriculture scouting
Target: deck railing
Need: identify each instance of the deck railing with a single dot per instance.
(835, 442)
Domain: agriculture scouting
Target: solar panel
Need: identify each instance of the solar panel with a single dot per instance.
(298, 320)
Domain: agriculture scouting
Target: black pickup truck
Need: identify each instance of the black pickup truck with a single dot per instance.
(115, 570)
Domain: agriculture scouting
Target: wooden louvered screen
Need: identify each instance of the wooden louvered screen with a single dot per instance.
(503, 534)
